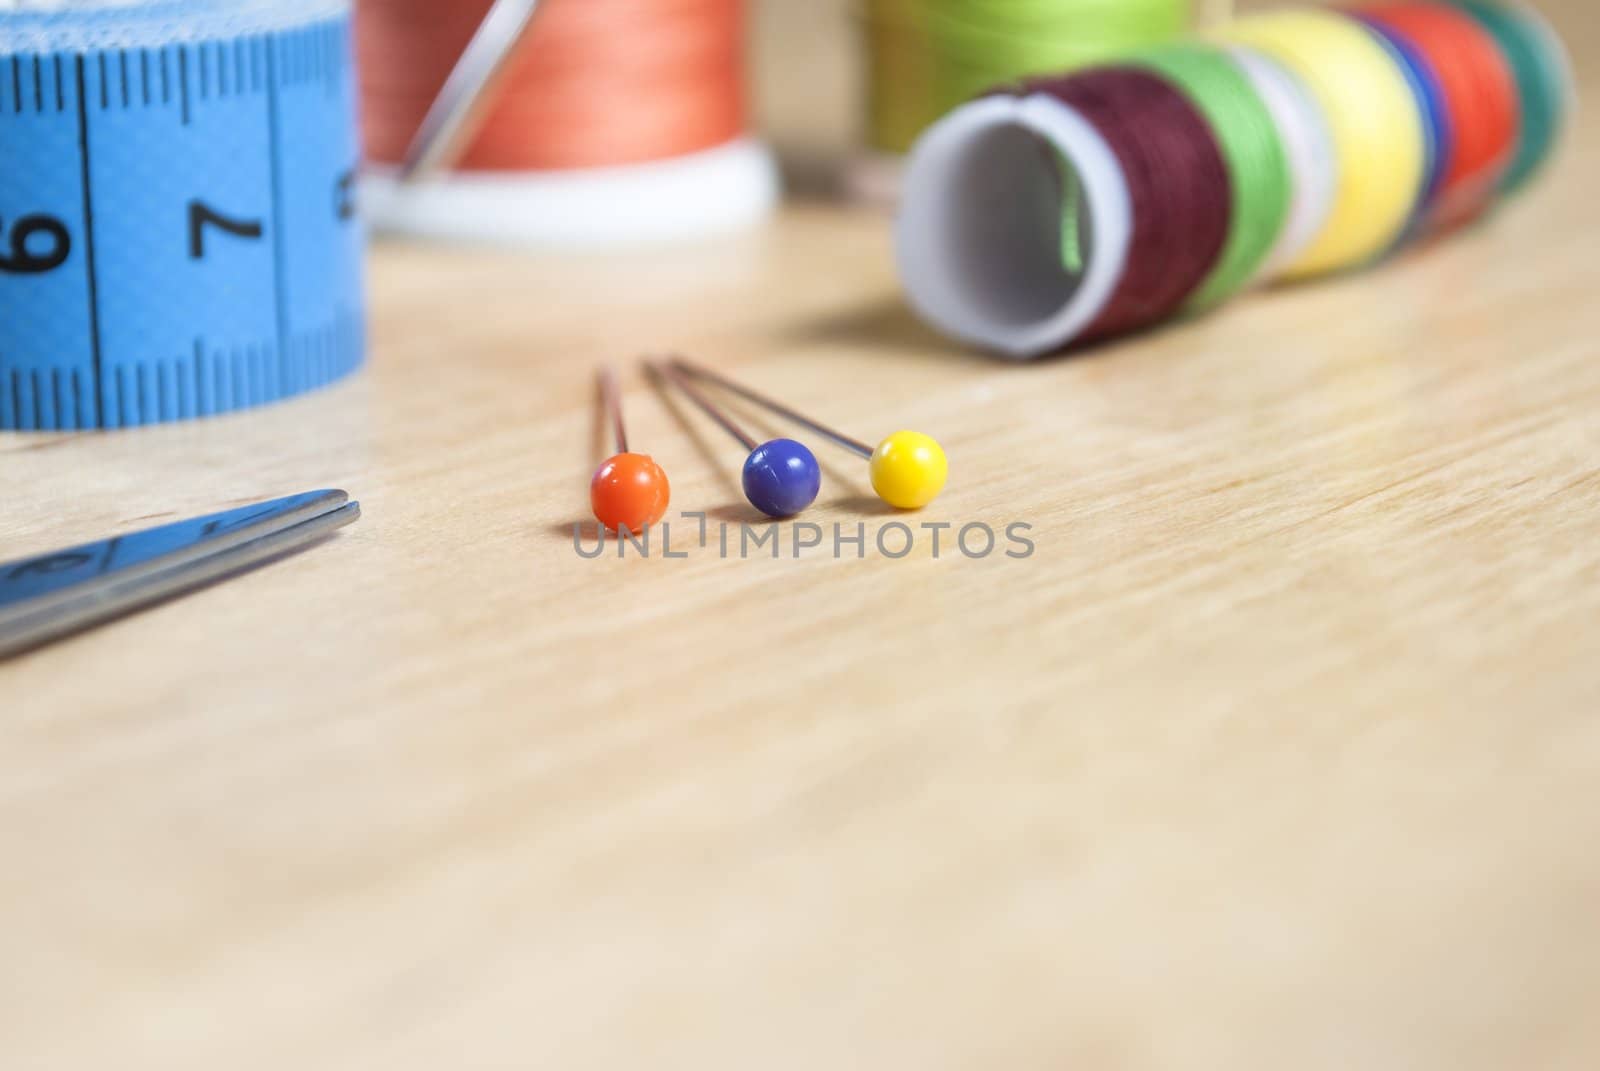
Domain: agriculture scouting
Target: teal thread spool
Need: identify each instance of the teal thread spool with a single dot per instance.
(1543, 82)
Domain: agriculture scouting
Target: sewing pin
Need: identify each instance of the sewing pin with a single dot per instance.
(908, 469)
(781, 477)
(630, 491)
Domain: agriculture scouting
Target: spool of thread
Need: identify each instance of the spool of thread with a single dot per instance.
(1099, 202)
(615, 122)
(1378, 133)
(1479, 99)
(998, 276)
(1438, 133)
(1308, 148)
(1258, 168)
(1180, 230)
(925, 57)
(1543, 75)
(929, 56)
(978, 235)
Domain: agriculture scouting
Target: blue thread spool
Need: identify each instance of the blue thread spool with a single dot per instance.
(1424, 82)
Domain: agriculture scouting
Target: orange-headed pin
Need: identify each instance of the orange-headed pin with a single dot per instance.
(630, 492)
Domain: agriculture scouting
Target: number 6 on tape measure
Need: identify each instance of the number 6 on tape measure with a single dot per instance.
(177, 237)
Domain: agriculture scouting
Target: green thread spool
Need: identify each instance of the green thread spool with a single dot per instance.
(1257, 165)
(1540, 67)
(929, 56)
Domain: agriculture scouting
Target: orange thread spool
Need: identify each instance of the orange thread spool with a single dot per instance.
(597, 83)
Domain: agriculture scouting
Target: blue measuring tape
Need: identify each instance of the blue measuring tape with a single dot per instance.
(178, 234)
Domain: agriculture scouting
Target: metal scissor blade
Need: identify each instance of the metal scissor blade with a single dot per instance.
(56, 594)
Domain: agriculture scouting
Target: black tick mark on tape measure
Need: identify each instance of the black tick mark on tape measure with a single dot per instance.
(279, 261)
(201, 406)
(88, 228)
(183, 82)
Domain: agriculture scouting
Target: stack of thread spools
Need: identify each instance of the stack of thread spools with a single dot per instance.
(1285, 145)
(614, 122)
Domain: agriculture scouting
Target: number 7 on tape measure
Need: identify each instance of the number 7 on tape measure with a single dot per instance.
(176, 232)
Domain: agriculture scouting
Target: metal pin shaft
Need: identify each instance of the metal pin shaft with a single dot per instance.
(611, 401)
(853, 445)
(672, 375)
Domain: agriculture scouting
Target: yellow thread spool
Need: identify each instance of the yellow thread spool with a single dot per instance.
(1376, 126)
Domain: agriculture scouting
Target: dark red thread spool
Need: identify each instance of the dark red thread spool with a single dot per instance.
(1178, 187)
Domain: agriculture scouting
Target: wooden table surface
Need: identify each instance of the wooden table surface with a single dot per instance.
(1281, 750)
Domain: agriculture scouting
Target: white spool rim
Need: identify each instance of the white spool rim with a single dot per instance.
(1313, 163)
(971, 293)
(724, 189)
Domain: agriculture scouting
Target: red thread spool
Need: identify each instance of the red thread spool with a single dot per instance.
(596, 83)
(614, 123)
(1179, 227)
(1480, 91)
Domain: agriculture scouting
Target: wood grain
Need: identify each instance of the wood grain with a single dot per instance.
(1282, 750)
